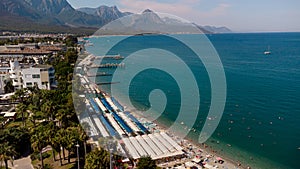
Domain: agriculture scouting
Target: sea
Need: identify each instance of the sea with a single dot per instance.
(260, 125)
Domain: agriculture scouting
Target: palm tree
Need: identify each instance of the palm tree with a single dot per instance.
(97, 159)
(53, 141)
(56, 145)
(1, 122)
(63, 115)
(34, 111)
(72, 138)
(6, 153)
(22, 108)
(61, 136)
(48, 109)
(39, 140)
(146, 163)
(8, 88)
(83, 136)
(20, 95)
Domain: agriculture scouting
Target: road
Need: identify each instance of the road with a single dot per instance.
(23, 163)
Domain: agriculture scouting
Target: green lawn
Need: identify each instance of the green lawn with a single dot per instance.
(56, 164)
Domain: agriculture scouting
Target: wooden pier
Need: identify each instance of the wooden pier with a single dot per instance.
(116, 57)
(108, 65)
(98, 74)
(107, 83)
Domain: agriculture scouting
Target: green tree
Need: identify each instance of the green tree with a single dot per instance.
(71, 139)
(20, 95)
(22, 108)
(2, 119)
(49, 110)
(52, 139)
(146, 162)
(61, 135)
(35, 114)
(6, 153)
(39, 140)
(57, 144)
(97, 159)
(71, 41)
(8, 88)
(83, 136)
(17, 137)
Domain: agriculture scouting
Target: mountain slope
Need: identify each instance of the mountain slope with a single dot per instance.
(59, 15)
(214, 29)
(48, 12)
(18, 8)
(105, 12)
(149, 22)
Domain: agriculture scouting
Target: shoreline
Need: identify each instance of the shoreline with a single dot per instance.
(209, 154)
(242, 149)
(206, 149)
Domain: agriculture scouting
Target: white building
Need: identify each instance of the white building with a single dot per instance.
(4, 74)
(40, 75)
(15, 74)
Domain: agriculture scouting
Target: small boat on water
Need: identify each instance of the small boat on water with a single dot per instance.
(267, 52)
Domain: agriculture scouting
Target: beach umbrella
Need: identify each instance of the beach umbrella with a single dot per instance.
(219, 159)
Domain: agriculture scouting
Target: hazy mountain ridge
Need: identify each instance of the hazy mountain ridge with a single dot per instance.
(45, 12)
(18, 8)
(36, 15)
(149, 22)
(214, 29)
(105, 12)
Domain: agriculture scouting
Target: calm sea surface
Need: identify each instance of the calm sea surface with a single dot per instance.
(260, 126)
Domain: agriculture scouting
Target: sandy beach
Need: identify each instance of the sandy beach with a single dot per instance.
(199, 155)
(199, 152)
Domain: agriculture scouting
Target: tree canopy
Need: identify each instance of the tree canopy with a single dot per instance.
(146, 163)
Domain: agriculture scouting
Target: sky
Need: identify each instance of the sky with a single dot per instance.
(237, 15)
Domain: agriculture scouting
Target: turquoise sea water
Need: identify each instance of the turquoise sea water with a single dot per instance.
(261, 120)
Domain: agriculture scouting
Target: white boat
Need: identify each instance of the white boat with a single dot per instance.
(267, 52)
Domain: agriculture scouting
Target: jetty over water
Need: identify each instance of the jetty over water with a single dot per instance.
(107, 83)
(98, 74)
(116, 57)
(108, 65)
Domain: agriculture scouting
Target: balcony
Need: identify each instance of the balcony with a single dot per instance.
(13, 76)
(12, 71)
(16, 83)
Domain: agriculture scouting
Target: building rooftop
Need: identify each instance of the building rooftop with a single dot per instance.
(26, 51)
(43, 66)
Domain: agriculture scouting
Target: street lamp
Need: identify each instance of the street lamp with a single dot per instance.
(110, 150)
(77, 146)
(110, 158)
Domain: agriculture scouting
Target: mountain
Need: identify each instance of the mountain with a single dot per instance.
(149, 22)
(214, 29)
(105, 12)
(43, 13)
(60, 16)
(18, 8)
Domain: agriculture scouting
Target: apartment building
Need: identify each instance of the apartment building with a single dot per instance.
(29, 76)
